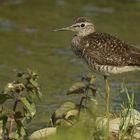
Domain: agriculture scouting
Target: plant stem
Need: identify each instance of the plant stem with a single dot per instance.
(15, 105)
(10, 125)
(107, 90)
(80, 105)
(12, 119)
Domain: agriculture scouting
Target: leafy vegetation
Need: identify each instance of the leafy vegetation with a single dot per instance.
(83, 120)
(78, 120)
(19, 94)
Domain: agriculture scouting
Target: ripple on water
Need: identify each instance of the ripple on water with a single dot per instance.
(2, 66)
(24, 50)
(6, 25)
(16, 2)
(29, 30)
(62, 51)
(61, 2)
(91, 9)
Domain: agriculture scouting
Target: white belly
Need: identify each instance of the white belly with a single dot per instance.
(111, 70)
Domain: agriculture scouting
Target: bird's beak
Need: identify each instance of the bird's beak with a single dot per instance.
(69, 28)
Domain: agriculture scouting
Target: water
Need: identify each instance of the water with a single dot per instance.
(27, 40)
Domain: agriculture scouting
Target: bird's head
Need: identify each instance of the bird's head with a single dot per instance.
(82, 27)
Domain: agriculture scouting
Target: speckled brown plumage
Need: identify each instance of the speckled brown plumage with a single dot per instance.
(105, 49)
(103, 52)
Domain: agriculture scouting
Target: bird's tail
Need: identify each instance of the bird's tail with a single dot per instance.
(135, 55)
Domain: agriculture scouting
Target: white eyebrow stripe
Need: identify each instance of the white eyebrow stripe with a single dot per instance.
(76, 25)
(87, 23)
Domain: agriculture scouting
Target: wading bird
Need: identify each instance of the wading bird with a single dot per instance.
(104, 53)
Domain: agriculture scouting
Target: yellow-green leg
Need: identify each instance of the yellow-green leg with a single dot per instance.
(107, 90)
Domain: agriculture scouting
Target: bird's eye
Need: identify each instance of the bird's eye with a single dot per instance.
(82, 25)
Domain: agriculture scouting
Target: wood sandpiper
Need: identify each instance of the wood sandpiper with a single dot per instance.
(104, 53)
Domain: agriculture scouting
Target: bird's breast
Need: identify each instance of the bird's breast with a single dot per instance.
(77, 46)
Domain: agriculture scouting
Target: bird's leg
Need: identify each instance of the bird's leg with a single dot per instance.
(107, 90)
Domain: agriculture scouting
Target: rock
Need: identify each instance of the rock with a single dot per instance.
(64, 114)
(43, 133)
(129, 120)
(114, 125)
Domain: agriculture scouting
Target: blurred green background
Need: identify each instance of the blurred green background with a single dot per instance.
(27, 40)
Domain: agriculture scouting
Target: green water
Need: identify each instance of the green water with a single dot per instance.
(27, 40)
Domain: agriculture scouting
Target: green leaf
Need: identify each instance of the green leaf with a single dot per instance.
(18, 115)
(30, 106)
(22, 131)
(4, 119)
(77, 88)
(34, 83)
(39, 94)
(4, 97)
(1, 126)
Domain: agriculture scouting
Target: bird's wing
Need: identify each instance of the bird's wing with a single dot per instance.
(103, 58)
(105, 49)
(135, 55)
